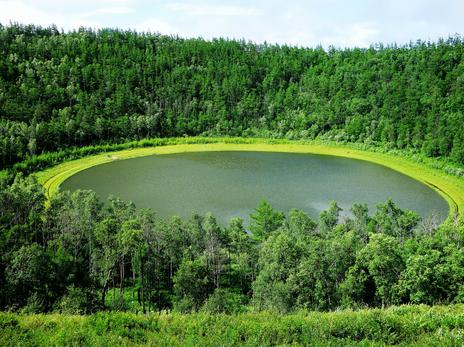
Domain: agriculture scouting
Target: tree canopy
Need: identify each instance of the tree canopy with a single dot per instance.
(75, 255)
(95, 87)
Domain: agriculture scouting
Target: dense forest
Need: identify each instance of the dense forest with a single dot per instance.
(71, 254)
(97, 87)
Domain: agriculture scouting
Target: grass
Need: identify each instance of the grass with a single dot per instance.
(450, 187)
(403, 325)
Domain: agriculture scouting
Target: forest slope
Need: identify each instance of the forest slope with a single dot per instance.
(94, 87)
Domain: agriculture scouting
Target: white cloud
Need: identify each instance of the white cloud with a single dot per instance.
(29, 12)
(55, 3)
(17, 11)
(154, 25)
(110, 10)
(213, 10)
(357, 34)
(298, 22)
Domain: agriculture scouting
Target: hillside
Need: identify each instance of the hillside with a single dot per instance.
(94, 87)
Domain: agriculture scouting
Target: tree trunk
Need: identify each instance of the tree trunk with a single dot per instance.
(105, 289)
(143, 292)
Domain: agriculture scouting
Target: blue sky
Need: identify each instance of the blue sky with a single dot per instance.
(298, 22)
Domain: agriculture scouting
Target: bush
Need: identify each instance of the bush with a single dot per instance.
(224, 301)
(35, 304)
(404, 325)
(184, 305)
(77, 301)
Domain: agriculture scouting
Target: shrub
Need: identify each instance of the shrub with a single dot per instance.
(224, 301)
(77, 301)
(35, 304)
(184, 305)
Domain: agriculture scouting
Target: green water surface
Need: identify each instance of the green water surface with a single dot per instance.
(230, 184)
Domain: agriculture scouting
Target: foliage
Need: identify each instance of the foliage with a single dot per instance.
(224, 301)
(77, 301)
(69, 95)
(75, 255)
(405, 325)
(265, 220)
(62, 90)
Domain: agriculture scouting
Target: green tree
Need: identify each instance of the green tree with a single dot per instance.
(300, 222)
(265, 220)
(192, 284)
(373, 278)
(29, 273)
(393, 221)
(329, 219)
(279, 257)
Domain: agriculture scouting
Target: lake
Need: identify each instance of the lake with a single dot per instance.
(230, 184)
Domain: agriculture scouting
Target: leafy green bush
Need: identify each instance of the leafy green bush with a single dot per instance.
(184, 305)
(77, 301)
(8, 321)
(224, 301)
(402, 325)
(34, 304)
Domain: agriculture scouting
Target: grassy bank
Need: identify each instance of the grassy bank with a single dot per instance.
(406, 325)
(450, 187)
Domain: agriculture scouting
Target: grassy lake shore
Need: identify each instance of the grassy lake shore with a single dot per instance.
(451, 188)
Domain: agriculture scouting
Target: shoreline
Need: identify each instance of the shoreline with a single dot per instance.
(449, 187)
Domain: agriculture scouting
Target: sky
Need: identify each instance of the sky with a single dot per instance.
(310, 23)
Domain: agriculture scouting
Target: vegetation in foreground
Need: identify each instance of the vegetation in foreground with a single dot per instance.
(404, 325)
(73, 255)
